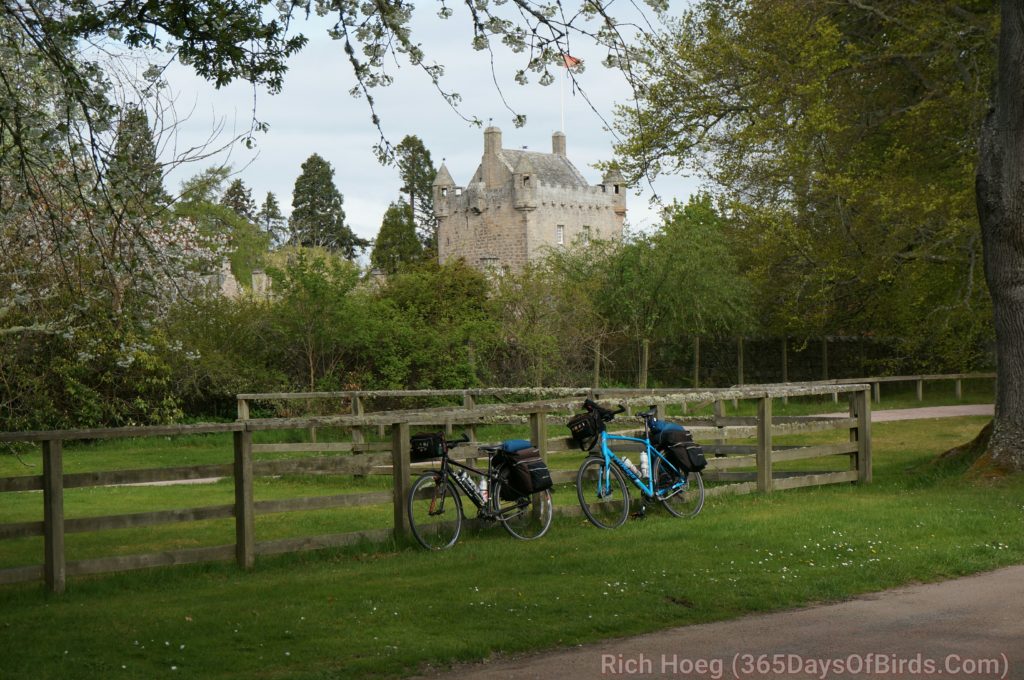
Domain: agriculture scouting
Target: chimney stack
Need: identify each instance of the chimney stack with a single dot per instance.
(558, 143)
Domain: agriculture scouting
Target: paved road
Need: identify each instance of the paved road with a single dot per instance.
(879, 416)
(971, 627)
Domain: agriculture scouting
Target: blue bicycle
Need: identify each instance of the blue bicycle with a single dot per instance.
(662, 476)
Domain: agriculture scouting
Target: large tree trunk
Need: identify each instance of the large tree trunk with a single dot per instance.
(1000, 194)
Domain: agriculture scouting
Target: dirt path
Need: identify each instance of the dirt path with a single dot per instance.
(971, 627)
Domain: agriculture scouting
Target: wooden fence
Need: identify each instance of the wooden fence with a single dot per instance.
(357, 456)
(359, 402)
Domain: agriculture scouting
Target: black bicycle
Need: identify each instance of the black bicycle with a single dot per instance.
(508, 491)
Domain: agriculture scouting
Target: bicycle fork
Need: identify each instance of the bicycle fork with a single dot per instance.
(435, 507)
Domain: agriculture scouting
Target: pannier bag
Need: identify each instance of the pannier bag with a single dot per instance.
(527, 474)
(426, 446)
(584, 429)
(682, 451)
(659, 427)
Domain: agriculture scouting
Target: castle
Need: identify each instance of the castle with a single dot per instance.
(520, 204)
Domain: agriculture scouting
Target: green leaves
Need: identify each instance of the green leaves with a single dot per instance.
(396, 242)
(842, 136)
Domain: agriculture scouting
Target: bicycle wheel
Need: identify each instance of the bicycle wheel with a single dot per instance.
(526, 517)
(685, 492)
(435, 511)
(603, 493)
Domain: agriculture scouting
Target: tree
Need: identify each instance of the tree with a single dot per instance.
(396, 243)
(202, 204)
(446, 312)
(311, 305)
(1000, 195)
(843, 136)
(318, 218)
(134, 175)
(271, 221)
(238, 197)
(418, 172)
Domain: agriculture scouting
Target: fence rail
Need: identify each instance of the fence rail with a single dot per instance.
(359, 457)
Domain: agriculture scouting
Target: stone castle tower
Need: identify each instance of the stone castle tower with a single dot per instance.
(520, 204)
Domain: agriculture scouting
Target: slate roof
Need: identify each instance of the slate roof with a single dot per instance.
(547, 168)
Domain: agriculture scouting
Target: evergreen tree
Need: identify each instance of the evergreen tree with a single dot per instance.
(397, 242)
(417, 172)
(318, 218)
(271, 221)
(134, 176)
(238, 197)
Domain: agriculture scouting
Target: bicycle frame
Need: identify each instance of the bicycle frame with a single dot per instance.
(447, 473)
(484, 508)
(647, 487)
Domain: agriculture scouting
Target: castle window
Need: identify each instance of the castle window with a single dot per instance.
(586, 235)
(560, 234)
(526, 180)
(444, 191)
(458, 191)
(616, 188)
(489, 262)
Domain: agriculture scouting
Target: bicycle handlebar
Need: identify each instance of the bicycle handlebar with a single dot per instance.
(455, 442)
(606, 414)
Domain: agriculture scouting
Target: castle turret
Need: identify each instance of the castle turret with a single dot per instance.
(524, 192)
(614, 183)
(444, 187)
(491, 165)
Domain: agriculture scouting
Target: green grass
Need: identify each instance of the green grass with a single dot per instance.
(360, 612)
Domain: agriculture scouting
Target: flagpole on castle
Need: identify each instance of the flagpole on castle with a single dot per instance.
(565, 76)
(570, 62)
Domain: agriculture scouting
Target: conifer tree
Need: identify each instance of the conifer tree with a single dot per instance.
(417, 172)
(238, 197)
(397, 242)
(318, 218)
(134, 176)
(270, 219)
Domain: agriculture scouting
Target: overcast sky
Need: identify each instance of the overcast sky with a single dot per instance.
(314, 113)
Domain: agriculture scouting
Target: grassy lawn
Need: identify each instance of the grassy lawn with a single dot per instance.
(357, 613)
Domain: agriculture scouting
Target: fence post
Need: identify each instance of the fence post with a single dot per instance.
(878, 392)
(860, 408)
(785, 366)
(719, 413)
(645, 354)
(400, 471)
(243, 409)
(597, 363)
(54, 566)
(469, 403)
(739, 360)
(357, 410)
(824, 358)
(764, 444)
(959, 389)
(245, 530)
(696, 361)
(539, 432)
(920, 389)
